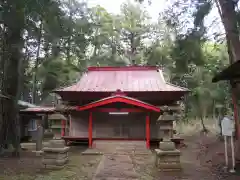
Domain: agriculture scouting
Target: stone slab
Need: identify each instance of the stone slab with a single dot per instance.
(166, 117)
(55, 155)
(53, 167)
(32, 145)
(91, 152)
(170, 159)
(162, 165)
(167, 145)
(121, 147)
(170, 170)
(56, 150)
(57, 143)
(58, 162)
(160, 152)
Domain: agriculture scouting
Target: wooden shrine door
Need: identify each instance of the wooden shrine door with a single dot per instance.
(121, 128)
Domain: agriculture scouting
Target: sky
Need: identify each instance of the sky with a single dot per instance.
(213, 21)
(113, 6)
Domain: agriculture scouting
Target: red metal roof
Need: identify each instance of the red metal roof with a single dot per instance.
(116, 99)
(126, 79)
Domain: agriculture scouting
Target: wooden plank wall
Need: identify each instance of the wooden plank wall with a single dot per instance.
(106, 126)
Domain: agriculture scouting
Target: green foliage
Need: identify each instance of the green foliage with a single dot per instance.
(71, 36)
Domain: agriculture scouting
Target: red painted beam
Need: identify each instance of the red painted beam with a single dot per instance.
(76, 138)
(147, 131)
(90, 130)
(118, 110)
(120, 139)
(119, 99)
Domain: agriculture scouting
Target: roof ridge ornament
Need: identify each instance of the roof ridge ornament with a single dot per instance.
(118, 92)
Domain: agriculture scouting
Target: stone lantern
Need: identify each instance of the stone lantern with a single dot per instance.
(56, 154)
(167, 156)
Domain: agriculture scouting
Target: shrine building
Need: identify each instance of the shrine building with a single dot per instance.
(116, 103)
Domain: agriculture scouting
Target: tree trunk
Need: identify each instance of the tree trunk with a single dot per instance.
(10, 88)
(13, 44)
(204, 129)
(69, 34)
(228, 15)
(133, 48)
(34, 89)
(229, 20)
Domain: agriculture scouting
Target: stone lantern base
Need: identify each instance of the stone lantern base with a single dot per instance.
(168, 157)
(56, 155)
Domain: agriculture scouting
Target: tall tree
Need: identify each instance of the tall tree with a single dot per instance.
(135, 30)
(13, 19)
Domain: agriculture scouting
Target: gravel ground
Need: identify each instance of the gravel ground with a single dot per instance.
(202, 159)
(29, 167)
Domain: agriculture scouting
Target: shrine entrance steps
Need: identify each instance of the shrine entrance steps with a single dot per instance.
(117, 162)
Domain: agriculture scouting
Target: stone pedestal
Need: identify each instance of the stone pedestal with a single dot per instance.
(56, 155)
(168, 157)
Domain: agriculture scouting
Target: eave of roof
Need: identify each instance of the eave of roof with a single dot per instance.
(121, 99)
(26, 104)
(38, 109)
(5, 97)
(230, 73)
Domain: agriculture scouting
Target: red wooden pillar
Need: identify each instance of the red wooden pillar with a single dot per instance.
(90, 130)
(63, 128)
(147, 131)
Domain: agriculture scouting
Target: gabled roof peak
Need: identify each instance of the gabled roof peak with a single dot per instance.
(123, 68)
